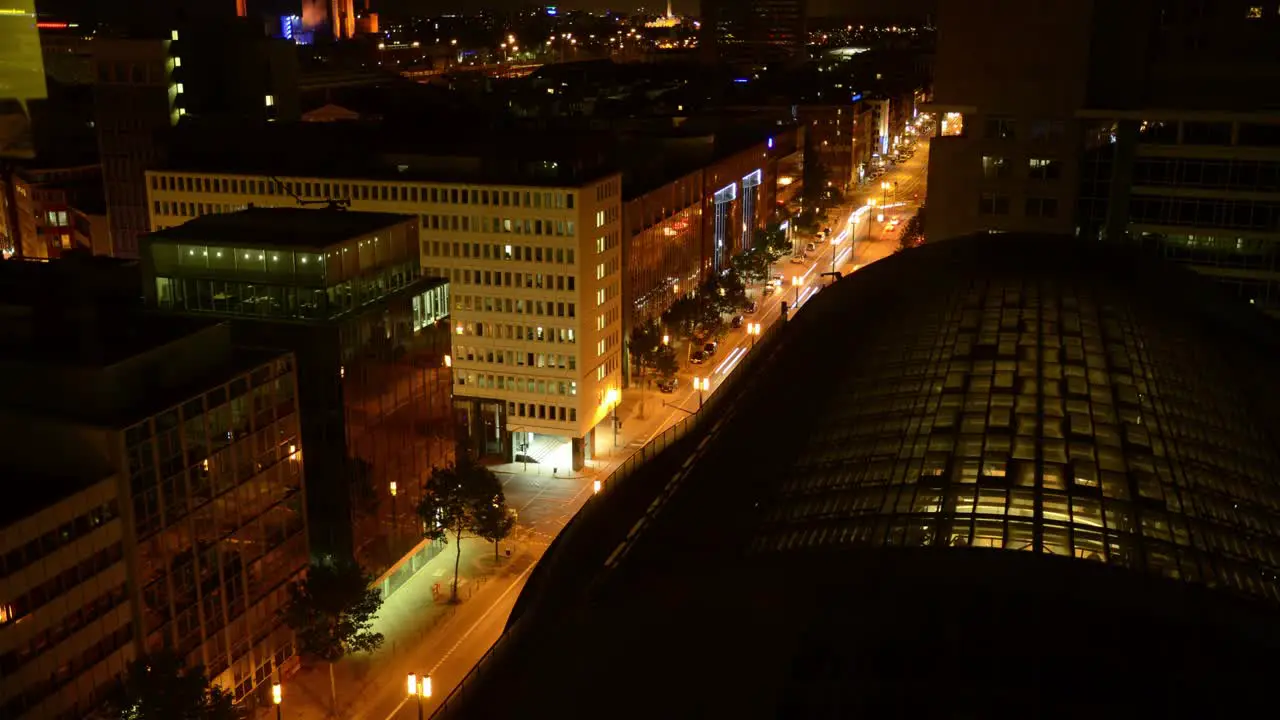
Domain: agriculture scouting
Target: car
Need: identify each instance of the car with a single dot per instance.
(798, 259)
(810, 248)
(736, 321)
(776, 280)
(891, 225)
(751, 308)
(768, 290)
(668, 385)
(710, 348)
(697, 358)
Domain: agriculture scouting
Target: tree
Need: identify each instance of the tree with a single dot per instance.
(665, 363)
(753, 265)
(332, 611)
(682, 316)
(725, 293)
(456, 500)
(774, 242)
(495, 521)
(912, 232)
(159, 687)
(645, 341)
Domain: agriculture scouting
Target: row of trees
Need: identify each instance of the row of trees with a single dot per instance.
(332, 609)
(912, 232)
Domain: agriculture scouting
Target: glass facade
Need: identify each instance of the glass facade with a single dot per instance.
(272, 282)
(216, 494)
(1041, 417)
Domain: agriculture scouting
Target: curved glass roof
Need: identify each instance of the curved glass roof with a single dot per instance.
(1044, 411)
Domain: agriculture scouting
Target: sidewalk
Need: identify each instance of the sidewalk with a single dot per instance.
(419, 625)
(408, 620)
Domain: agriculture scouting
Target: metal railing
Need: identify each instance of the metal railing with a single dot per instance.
(718, 398)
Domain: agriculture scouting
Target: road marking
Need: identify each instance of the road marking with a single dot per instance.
(636, 528)
(704, 442)
(470, 630)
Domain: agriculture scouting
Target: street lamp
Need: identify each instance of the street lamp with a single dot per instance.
(753, 329)
(871, 205)
(277, 696)
(795, 283)
(419, 689)
(395, 520)
(701, 384)
(884, 192)
(666, 340)
(612, 397)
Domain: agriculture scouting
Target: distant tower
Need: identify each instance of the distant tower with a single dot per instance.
(669, 13)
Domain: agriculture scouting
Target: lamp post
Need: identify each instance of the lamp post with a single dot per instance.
(795, 283)
(395, 519)
(277, 696)
(871, 206)
(613, 398)
(753, 330)
(419, 689)
(701, 384)
(884, 192)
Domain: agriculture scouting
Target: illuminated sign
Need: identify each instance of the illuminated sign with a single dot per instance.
(552, 10)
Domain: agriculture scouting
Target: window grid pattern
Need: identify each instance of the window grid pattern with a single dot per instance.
(1036, 417)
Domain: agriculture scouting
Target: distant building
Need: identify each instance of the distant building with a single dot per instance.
(756, 29)
(526, 227)
(344, 292)
(1146, 122)
(154, 496)
(45, 212)
(214, 71)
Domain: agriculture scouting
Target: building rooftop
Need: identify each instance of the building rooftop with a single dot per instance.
(291, 227)
(953, 479)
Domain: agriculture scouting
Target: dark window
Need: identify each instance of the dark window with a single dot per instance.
(1001, 128)
(1206, 133)
(1042, 207)
(991, 203)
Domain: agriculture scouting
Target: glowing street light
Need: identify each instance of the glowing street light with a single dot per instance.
(419, 689)
(595, 487)
(277, 696)
(753, 330)
(666, 339)
(701, 384)
(795, 283)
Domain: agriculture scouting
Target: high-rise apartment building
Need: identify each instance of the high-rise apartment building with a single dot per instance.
(344, 293)
(155, 499)
(1151, 122)
(528, 235)
(216, 71)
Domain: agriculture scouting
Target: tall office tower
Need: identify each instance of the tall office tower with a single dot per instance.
(1152, 122)
(753, 29)
(219, 71)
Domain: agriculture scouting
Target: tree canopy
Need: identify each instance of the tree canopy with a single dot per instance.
(332, 611)
(158, 686)
(460, 498)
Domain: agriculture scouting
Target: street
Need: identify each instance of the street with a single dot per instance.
(426, 634)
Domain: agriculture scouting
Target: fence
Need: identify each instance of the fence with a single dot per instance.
(722, 397)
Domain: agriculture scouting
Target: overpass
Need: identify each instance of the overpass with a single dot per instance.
(497, 70)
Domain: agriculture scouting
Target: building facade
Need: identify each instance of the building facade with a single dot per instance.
(158, 523)
(550, 256)
(344, 292)
(756, 29)
(1146, 123)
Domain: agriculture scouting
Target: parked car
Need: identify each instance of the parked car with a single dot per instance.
(668, 385)
(736, 322)
(798, 259)
(752, 307)
(810, 248)
(697, 358)
(710, 348)
(768, 290)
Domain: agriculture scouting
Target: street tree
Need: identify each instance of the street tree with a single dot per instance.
(494, 521)
(752, 264)
(158, 686)
(665, 364)
(456, 498)
(774, 242)
(726, 293)
(332, 611)
(682, 316)
(646, 338)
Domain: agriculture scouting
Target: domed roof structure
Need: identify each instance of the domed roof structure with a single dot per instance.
(998, 475)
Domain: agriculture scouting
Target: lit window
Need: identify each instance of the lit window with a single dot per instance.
(1255, 12)
(271, 100)
(179, 86)
(177, 61)
(173, 35)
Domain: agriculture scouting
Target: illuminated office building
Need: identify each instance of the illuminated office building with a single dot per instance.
(1145, 122)
(531, 253)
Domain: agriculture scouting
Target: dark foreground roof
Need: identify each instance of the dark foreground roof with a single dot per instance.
(300, 227)
(1000, 476)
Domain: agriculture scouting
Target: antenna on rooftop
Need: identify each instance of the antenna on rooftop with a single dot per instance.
(330, 203)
